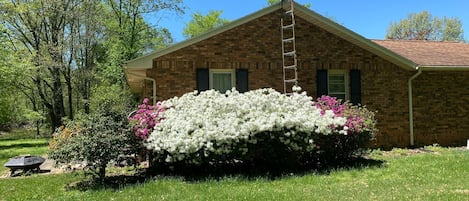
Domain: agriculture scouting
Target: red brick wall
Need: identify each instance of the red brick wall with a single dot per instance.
(441, 108)
(256, 46)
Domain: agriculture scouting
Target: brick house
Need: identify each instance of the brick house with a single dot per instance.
(419, 88)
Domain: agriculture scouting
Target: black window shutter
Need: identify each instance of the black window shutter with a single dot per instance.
(355, 87)
(242, 80)
(202, 77)
(321, 83)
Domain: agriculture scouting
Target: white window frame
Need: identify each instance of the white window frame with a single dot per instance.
(215, 71)
(346, 80)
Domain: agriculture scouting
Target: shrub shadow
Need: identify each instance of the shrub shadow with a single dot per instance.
(114, 182)
(219, 172)
(352, 164)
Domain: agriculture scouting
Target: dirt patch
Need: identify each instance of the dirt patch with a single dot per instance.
(407, 152)
(423, 150)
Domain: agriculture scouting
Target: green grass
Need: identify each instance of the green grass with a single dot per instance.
(438, 174)
(20, 142)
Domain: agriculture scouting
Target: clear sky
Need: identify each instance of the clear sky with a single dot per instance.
(369, 18)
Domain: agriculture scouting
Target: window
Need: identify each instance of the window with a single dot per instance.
(337, 84)
(345, 85)
(222, 79)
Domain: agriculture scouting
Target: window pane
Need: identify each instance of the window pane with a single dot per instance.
(222, 82)
(337, 78)
(337, 86)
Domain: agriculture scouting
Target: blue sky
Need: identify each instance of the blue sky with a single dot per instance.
(369, 18)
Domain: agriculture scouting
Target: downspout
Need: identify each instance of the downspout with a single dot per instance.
(411, 106)
(153, 85)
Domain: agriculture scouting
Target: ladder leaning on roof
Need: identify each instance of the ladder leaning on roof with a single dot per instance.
(289, 60)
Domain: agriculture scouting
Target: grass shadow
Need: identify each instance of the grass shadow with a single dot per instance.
(200, 174)
(219, 172)
(357, 163)
(114, 182)
(24, 145)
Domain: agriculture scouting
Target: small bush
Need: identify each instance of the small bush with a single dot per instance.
(361, 129)
(94, 139)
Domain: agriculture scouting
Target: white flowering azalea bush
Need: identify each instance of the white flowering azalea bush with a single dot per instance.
(257, 128)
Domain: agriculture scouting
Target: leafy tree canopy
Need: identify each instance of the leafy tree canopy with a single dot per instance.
(424, 26)
(202, 23)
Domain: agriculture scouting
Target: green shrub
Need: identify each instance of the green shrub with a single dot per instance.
(93, 139)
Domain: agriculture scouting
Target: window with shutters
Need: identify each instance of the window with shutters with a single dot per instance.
(222, 79)
(337, 84)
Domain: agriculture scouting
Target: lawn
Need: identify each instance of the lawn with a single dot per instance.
(20, 142)
(434, 173)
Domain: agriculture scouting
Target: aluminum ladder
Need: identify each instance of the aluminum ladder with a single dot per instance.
(289, 60)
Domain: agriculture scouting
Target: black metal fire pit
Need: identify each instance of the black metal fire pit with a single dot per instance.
(25, 163)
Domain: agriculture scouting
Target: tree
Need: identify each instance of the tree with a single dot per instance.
(127, 26)
(201, 24)
(16, 89)
(75, 45)
(43, 28)
(423, 26)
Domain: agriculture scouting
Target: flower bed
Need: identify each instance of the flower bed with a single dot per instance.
(260, 127)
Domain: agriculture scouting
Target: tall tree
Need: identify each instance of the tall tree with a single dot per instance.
(129, 36)
(127, 24)
(424, 26)
(452, 30)
(88, 39)
(75, 44)
(202, 23)
(15, 86)
(42, 26)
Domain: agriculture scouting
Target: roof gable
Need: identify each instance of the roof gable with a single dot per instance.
(146, 61)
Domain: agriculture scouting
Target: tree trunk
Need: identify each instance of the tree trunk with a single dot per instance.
(57, 99)
(87, 96)
(68, 81)
(45, 102)
(37, 121)
(102, 172)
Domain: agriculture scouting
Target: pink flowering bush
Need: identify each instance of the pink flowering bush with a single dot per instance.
(145, 118)
(359, 119)
(360, 129)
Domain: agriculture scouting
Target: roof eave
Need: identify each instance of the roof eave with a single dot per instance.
(135, 78)
(443, 68)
